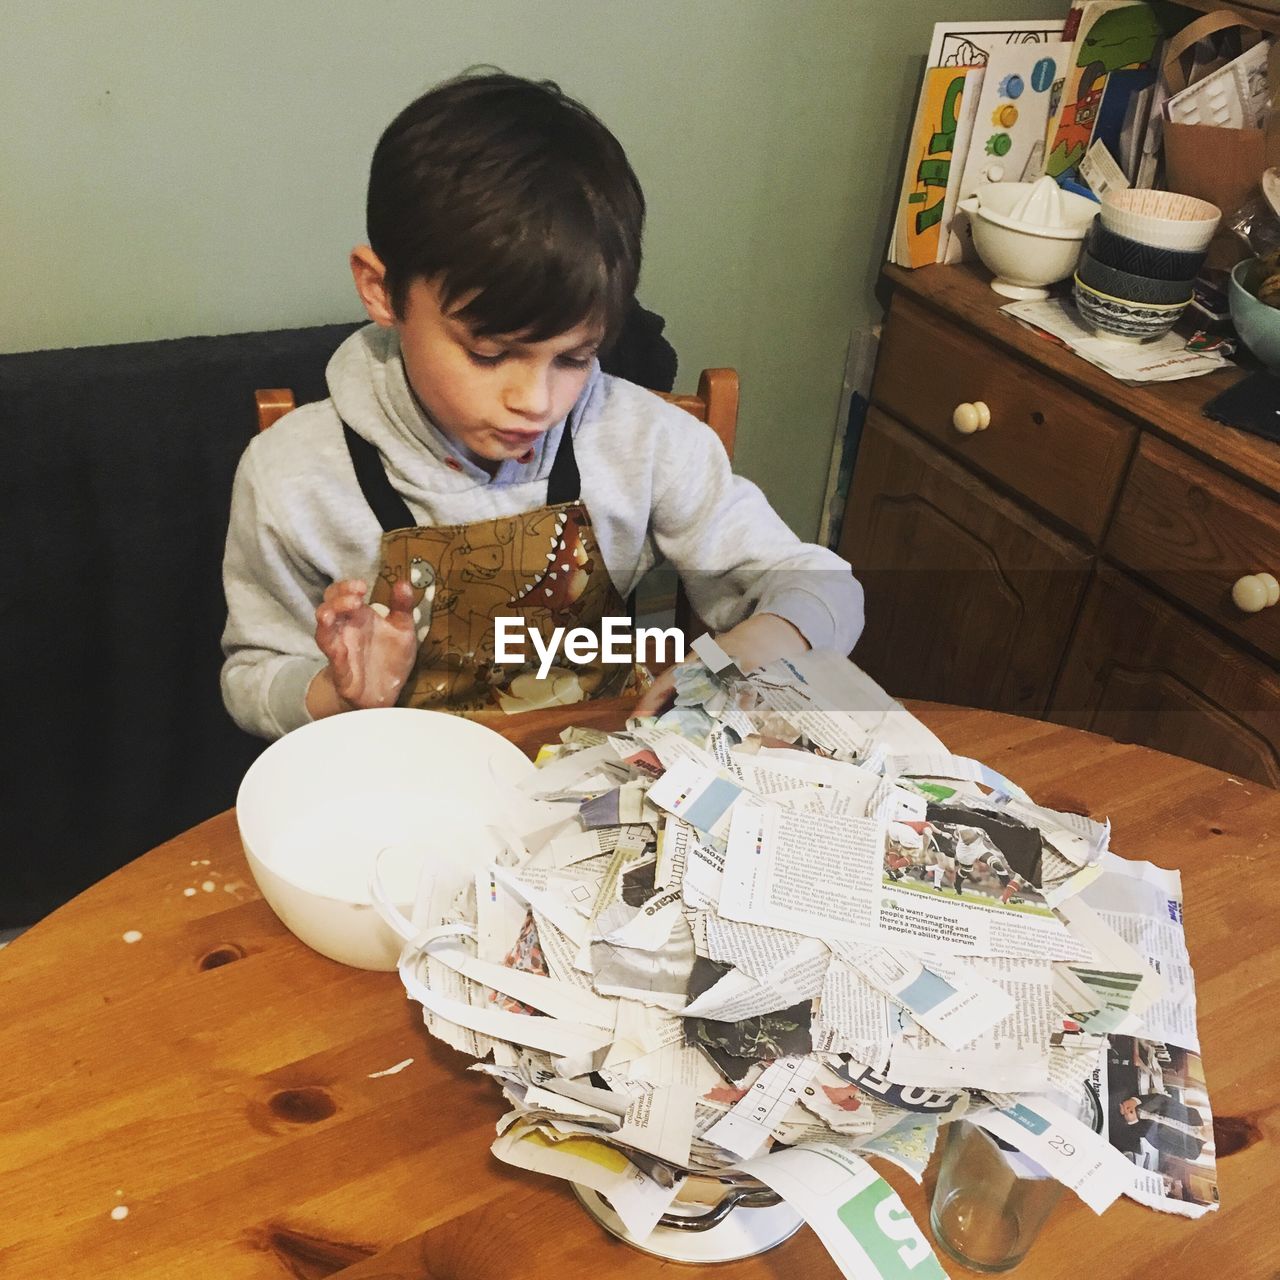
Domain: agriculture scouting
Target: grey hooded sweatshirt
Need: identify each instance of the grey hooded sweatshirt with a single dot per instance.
(655, 481)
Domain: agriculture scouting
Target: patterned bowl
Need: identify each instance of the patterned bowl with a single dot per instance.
(1132, 288)
(1150, 260)
(1121, 321)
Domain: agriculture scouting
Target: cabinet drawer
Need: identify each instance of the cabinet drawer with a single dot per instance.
(969, 598)
(1194, 532)
(1140, 670)
(1056, 448)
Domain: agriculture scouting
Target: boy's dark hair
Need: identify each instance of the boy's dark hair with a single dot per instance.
(509, 189)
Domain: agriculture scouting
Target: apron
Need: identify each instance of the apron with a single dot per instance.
(542, 567)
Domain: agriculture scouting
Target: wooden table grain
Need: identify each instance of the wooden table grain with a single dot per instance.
(213, 1099)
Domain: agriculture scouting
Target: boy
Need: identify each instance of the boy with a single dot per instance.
(474, 463)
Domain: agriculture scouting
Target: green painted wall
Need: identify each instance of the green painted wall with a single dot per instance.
(172, 170)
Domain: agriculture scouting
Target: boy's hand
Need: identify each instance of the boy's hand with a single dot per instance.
(752, 644)
(370, 657)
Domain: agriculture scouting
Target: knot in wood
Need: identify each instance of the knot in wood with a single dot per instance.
(223, 953)
(306, 1105)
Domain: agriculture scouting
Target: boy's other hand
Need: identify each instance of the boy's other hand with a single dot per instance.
(752, 644)
(370, 656)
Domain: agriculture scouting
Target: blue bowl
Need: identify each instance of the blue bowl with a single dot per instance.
(1257, 324)
(1132, 288)
(1150, 260)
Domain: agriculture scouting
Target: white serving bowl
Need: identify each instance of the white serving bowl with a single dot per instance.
(1027, 255)
(319, 805)
(1162, 218)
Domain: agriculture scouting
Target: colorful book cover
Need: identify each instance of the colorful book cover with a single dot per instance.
(948, 248)
(924, 185)
(1011, 116)
(1107, 36)
(970, 44)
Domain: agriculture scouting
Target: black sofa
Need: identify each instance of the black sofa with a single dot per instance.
(116, 466)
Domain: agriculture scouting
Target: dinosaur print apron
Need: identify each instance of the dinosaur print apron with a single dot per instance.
(542, 567)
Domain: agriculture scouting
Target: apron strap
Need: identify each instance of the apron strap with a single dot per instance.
(564, 484)
(389, 508)
(392, 512)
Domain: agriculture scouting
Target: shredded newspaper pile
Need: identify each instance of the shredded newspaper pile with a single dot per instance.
(781, 929)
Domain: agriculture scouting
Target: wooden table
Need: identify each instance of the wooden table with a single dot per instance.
(227, 1086)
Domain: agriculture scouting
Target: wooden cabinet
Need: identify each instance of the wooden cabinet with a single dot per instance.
(1194, 533)
(1056, 449)
(1141, 671)
(963, 589)
(1075, 559)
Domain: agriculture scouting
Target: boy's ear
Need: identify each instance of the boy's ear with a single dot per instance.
(371, 284)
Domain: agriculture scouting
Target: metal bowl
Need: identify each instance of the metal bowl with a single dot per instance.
(715, 1219)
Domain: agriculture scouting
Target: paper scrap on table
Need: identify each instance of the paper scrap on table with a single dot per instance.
(698, 796)
(754, 949)
(838, 702)
(1075, 1155)
(826, 877)
(564, 851)
(738, 996)
(943, 764)
(858, 1216)
(551, 1034)
(941, 1103)
(842, 1107)
(1115, 990)
(658, 1119)
(694, 863)
(715, 658)
(1143, 904)
(574, 776)
(556, 999)
(779, 775)
(954, 1004)
(670, 747)
(1159, 1119)
(1011, 1055)
(853, 1017)
(750, 1121)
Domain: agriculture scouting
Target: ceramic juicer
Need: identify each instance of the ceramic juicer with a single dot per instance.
(1028, 233)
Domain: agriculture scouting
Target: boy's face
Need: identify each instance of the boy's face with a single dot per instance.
(493, 396)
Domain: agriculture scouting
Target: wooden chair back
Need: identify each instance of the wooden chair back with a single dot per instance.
(715, 403)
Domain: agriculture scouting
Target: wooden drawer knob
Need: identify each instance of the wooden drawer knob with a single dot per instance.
(1255, 592)
(968, 418)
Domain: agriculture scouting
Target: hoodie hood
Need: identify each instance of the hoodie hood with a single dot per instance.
(371, 393)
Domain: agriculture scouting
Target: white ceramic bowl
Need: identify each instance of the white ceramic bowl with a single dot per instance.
(1162, 218)
(1025, 258)
(1022, 260)
(317, 807)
